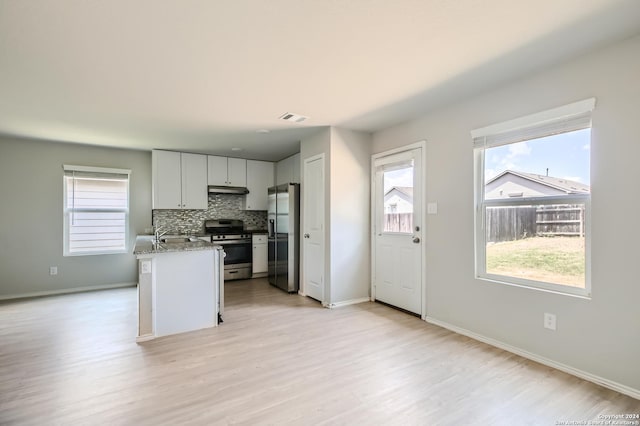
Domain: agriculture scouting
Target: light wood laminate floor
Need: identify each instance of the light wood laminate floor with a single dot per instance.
(277, 359)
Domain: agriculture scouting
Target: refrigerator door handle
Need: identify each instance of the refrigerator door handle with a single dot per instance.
(271, 228)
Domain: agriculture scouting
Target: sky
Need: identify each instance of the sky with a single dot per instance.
(400, 177)
(565, 155)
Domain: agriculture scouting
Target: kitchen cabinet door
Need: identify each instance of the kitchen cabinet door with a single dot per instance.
(224, 171)
(295, 168)
(259, 179)
(179, 180)
(217, 170)
(194, 181)
(288, 170)
(237, 172)
(259, 262)
(283, 171)
(166, 178)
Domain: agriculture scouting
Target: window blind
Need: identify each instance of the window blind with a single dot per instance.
(568, 118)
(96, 210)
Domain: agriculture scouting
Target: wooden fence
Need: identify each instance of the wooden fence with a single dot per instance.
(560, 220)
(516, 223)
(398, 222)
(510, 223)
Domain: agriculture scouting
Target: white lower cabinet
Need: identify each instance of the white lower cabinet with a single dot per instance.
(259, 263)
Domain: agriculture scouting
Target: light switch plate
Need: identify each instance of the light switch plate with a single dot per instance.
(432, 208)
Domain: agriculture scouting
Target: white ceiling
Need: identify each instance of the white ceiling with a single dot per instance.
(204, 75)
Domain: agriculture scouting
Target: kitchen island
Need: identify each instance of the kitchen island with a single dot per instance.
(180, 286)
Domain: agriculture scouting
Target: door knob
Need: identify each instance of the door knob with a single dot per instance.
(306, 235)
(416, 240)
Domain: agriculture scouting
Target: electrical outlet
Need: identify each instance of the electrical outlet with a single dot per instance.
(53, 270)
(145, 267)
(550, 321)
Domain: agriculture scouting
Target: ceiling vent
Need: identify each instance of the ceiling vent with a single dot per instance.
(296, 118)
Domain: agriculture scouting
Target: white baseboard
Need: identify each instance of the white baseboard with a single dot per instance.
(66, 291)
(347, 302)
(618, 387)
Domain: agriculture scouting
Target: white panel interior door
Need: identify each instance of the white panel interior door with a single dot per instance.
(398, 233)
(313, 232)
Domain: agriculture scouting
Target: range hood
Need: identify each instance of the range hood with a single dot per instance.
(215, 189)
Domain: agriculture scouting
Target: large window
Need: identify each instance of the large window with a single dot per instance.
(96, 210)
(533, 200)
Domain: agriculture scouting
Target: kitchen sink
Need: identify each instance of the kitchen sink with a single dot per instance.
(176, 240)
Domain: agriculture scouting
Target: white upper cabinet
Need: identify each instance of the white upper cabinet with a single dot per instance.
(295, 168)
(283, 171)
(288, 170)
(223, 171)
(179, 180)
(167, 181)
(237, 172)
(217, 170)
(259, 179)
(194, 181)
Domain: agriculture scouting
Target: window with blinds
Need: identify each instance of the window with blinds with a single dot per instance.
(532, 199)
(96, 210)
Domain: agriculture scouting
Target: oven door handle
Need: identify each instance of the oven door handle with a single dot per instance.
(229, 242)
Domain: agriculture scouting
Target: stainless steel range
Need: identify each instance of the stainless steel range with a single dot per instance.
(230, 234)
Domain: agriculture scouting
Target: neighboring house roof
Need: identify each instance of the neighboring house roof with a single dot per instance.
(406, 190)
(568, 186)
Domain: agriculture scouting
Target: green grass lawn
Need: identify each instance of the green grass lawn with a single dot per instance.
(559, 260)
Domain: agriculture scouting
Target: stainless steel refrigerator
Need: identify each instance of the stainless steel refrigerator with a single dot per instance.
(284, 236)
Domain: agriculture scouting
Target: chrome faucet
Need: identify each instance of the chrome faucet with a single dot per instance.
(159, 232)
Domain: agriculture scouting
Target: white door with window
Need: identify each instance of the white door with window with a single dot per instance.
(313, 227)
(398, 229)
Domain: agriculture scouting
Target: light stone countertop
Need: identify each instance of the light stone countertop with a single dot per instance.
(145, 245)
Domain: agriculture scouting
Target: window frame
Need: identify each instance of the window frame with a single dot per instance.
(552, 122)
(70, 169)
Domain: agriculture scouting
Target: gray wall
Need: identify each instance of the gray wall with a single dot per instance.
(350, 215)
(347, 194)
(599, 336)
(31, 216)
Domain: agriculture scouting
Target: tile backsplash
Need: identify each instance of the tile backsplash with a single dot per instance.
(221, 206)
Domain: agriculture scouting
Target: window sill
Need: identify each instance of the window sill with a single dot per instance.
(576, 292)
(95, 253)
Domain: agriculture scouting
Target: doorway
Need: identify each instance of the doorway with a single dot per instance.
(313, 228)
(398, 249)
